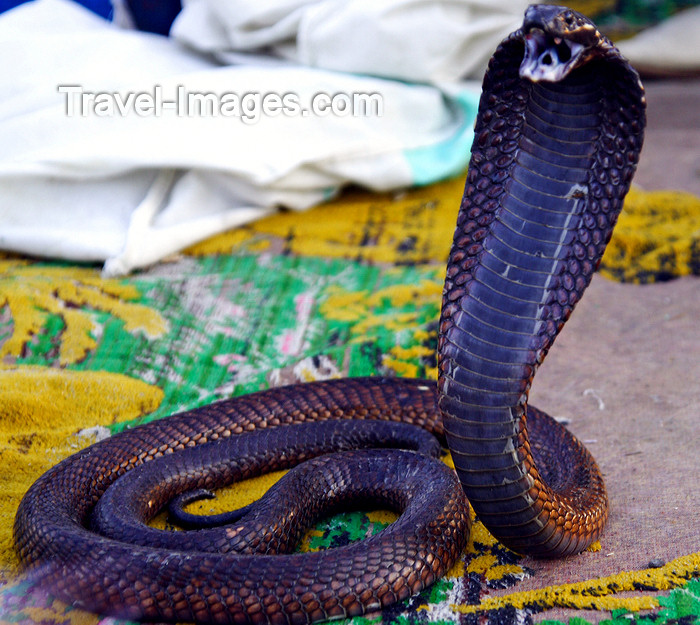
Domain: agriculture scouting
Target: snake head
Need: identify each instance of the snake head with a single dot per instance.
(557, 41)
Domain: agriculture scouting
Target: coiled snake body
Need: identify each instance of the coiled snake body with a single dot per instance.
(557, 139)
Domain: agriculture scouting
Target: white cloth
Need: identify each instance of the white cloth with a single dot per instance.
(414, 40)
(131, 188)
(673, 46)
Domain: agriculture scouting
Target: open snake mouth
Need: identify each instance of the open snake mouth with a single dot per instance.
(548, 58)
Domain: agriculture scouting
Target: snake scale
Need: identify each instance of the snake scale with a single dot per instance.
(557, 138)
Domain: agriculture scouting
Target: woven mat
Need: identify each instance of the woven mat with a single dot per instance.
(353, 288)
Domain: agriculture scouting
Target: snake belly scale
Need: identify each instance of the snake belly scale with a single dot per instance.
(557, 138)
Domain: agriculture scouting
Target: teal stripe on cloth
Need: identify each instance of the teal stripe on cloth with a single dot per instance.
(449, 157)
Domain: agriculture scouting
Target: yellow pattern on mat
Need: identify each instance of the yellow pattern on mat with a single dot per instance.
(44, 414)
(33, 292)
(597, 594)
(657, 236)
(407, 306)
(413, 226)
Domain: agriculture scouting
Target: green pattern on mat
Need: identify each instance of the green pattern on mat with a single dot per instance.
(681, 607)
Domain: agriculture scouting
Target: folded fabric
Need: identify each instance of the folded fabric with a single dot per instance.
(671, 47)
(124, 147)
(416, 40)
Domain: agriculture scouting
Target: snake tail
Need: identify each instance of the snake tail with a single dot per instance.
(557, 139)
(228, 575)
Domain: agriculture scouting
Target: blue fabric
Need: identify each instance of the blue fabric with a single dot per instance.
(103, 8)
(154, 16)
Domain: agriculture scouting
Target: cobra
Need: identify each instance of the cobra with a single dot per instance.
(557, 138)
